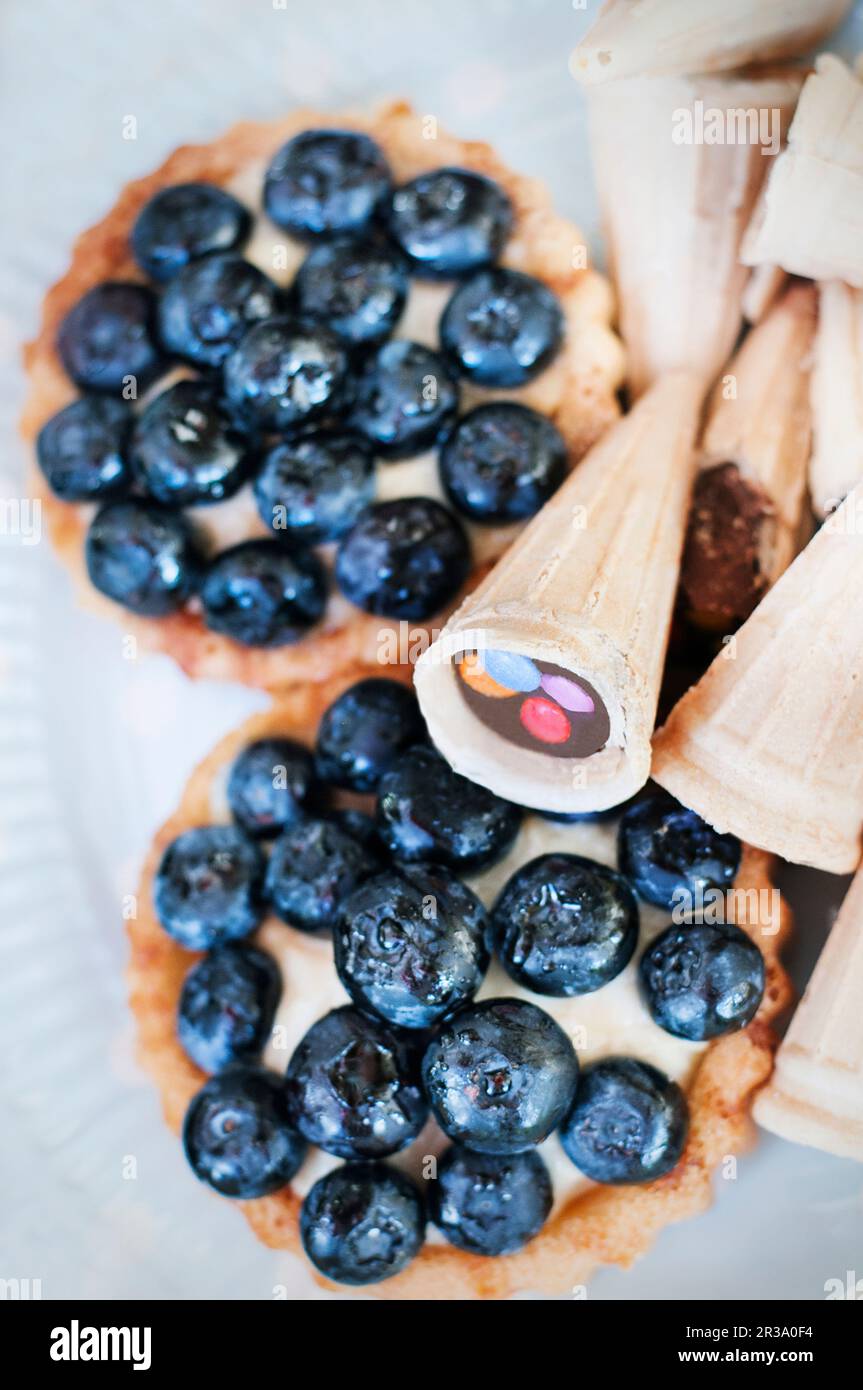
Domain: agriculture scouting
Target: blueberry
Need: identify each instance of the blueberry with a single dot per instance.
(427, 811)
(354, 1087)
(628, 1122)
(210, 304)
(237, 1135)
(700, 981)
(410, 945)
(188, 220)
(184, 449)
(208, 886)
(82, 449)
(227, 1006)
(363, 730)
(143, 557)
(403, 559)
(108, 338)
(490, 1204)
(285, 374)
(313, 489)
(405, 397)
(326, 181)
(564, 925)
(263, 595)
(357, 289)
(450, 221)
(268, 785)
(671, 856)
(362, 1222)
(500, 328)
(502, 462)
(500, 1076)
(313, 868)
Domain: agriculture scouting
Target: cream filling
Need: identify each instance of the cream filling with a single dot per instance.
(610, 1022)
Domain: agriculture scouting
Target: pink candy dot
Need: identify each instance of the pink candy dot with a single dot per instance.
(544, 721)
(568, 694)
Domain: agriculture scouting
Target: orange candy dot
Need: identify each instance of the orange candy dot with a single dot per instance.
(479, 680)
(544, 720)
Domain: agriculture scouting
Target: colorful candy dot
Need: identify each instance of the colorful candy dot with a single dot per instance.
(568, 694)
(479, 680)
(511, 670)
(544, 720)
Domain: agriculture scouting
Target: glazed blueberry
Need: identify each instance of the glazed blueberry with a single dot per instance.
(490, 1204)
(208, 886)
(285, 374)
(564, 925)
(210, 304)
(405, 398)
(628, 1122)
(700, 982)
(143, 557)
(363, 730)
(227, 1006)
(500, 1076)
(315, 865)
(671, 856)
(184, 449)
(450, 221)
(326, 181)
(313, 489)
(501, 327)
(82, 449)
(357, 289)
(237, 1135)
(427, 811)
(403, 559)
(263, 595)
(502, 462)
(188, 220)
(268, 785)
(108, 338)
(354, 1087)
(410, 945)
(362, 1223)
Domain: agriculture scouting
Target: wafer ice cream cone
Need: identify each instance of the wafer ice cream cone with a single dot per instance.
(769, 744)
(809, 217)
(568, 632)
(837, 396)
(748, 504)
(680, 36)
(763, 288)
(675, 203)
(815, 1095)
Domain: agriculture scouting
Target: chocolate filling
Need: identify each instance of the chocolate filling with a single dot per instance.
(722, 578)
(586, 731)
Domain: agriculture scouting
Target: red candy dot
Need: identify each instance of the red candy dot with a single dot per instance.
(545, 721)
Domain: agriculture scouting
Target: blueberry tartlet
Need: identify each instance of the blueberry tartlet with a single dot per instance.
(303, 384)
(445, 1047)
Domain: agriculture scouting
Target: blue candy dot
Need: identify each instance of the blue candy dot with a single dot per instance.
(509, 669)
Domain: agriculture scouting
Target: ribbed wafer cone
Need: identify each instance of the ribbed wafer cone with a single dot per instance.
(769, 743)
(589, 585)
(680, 36)
(809, 218)
(675, 209)
(837, 396)
(760, 419)
(763, 288)
(815, 1095)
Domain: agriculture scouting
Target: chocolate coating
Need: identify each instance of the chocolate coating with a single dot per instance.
(722, 578)
(589, 732)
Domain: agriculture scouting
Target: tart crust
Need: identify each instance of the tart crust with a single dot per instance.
(578, 390)
(605, 1225)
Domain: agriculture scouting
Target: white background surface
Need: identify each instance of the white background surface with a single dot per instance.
(94, 749)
